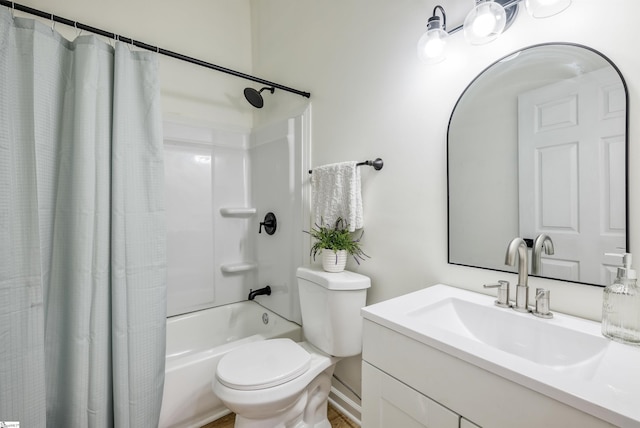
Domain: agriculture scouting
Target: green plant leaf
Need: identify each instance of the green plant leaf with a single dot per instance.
(335, 238)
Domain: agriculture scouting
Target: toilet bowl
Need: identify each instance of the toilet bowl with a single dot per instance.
(280, 383)
(272, 402)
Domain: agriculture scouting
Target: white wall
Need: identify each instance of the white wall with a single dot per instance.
(216, 31)
(371, 97)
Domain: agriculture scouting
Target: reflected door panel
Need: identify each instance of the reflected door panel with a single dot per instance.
(569, 136)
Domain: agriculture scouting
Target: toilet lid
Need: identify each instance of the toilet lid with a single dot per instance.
(263, 364)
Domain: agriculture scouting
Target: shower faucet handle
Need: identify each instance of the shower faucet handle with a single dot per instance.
(270, 224)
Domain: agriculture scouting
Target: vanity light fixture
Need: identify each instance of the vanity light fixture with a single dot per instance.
(483, 24)
(431, 44)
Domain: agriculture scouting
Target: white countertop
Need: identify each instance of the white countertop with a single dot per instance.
(573, 363)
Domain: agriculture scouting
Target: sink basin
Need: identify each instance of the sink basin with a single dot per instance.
(525, 336)
(565, 358)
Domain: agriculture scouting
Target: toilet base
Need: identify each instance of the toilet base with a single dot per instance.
(309, 410)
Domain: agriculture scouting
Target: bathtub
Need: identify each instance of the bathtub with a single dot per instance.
(195, 344)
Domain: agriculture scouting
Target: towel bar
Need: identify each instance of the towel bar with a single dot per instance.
(376, 164)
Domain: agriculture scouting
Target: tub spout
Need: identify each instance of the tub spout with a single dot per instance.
(253, 293)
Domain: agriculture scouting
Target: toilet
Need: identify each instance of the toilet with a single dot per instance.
(281, 383)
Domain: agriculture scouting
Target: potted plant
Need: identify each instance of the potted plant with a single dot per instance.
(335, 242)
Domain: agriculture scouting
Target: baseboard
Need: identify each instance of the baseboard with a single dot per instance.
(345, 405)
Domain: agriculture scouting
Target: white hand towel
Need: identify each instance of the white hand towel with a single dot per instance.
(336, 193)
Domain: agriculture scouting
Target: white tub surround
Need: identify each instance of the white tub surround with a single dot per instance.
(209, 217)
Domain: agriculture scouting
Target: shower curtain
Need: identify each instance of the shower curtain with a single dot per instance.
(82, 235)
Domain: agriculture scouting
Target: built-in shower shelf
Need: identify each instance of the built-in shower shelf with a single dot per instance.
(237, 212)
(238, 267)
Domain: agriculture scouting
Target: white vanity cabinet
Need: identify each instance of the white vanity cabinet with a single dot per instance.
(390, 403)
(406, 383)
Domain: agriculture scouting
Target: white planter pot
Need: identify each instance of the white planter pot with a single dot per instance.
(334, 261)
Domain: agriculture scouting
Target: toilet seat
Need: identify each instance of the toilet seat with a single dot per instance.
(263, 364)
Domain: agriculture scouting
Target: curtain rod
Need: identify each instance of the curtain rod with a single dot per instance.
(146, 46)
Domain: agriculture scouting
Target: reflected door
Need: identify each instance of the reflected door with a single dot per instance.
(566, 132)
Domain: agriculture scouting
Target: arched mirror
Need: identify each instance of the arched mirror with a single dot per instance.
(537, 143)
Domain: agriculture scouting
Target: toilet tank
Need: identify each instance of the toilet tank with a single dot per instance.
(330, 304)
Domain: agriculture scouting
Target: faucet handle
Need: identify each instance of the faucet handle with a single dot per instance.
(503, 293)
(542, 304)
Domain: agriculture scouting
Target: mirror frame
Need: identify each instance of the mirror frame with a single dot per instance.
(626, 166)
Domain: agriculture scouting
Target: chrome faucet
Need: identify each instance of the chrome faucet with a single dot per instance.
(519, 247)
(543, 241)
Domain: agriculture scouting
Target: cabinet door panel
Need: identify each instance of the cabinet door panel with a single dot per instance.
(388, 402)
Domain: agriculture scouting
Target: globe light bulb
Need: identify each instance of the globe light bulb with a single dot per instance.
(484, 23)
(431, 46)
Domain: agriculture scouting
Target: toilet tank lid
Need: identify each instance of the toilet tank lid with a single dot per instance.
(344, 280)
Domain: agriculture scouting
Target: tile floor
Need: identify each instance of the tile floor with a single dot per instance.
(337, 420)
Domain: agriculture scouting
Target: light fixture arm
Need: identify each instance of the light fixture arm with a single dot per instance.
(444, 16)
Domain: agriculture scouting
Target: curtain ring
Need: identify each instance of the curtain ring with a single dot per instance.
(78, 31)
(53, 23)
(13, 10)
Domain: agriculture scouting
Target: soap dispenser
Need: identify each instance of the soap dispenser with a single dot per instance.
(621, 305)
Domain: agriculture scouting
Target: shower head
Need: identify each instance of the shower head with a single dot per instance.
(254, 97)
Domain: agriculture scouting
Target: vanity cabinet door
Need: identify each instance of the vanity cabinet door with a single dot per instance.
(467, 424)
(387, 402)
